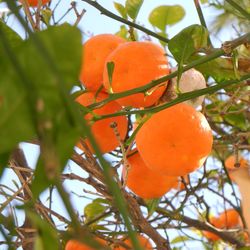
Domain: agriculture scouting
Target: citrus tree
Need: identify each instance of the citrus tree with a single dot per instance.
(142, 136)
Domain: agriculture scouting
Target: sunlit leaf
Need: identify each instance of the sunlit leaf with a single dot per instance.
(133, 7)
(121, 9)
(187, 42)
(165, 15)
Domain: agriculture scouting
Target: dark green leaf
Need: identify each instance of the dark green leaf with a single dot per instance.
(12, 37)
(121, 9)
(220, 69)
(110, 68)
(188, 42)
(133, 7)
(152, 204)
(165, 15)
(48, 235)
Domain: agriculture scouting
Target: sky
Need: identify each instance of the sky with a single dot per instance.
(95, 23)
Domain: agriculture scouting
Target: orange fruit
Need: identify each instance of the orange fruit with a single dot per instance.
(175, 141)
(229, 219)
(101, 130)
(76, 245)
(94, 54)
(145, 243)
(216, 222)
(226, 220)
(135, 65)
(34, 3)
(144, 182)
(231, 161)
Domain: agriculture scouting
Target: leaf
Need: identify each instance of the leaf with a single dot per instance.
(110, 68)
(121, 9)
(237, 119)
(13, 39)
(220, 69)
(46, 233)
(94, 209)
(152, 204)
(51, 101)
(15, 119)
(4, 157)
(165, 15)
(189, 41)
(133, 7)
(46, 15)
(179, 239)
(123, 32)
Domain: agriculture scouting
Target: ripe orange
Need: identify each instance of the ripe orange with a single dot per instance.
(136, 64)
(34, 3)
(175, 141)
(231, 160)
(229, 219)
(216, 222)
(103, 133)
(145, 243)
(76, 245)
(145, 182)
(94, 54)
(226, 220)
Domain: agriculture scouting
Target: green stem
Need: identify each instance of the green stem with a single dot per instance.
(239, 8)
(122, 20)
(113, 187)
(181, 98)
(202, 19)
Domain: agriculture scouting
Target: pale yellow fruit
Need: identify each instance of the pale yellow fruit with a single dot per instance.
(191, 80)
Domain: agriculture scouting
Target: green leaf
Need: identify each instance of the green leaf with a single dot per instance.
(12, 37)
(4, 158)
(110, 68)
(121, 9)
(123, 32)
(46, 15)
(94, 209)
(189, 41)
(47, 234)
(15, 119)
(51, 90)
(179, 239)
(165, 15)
(220, 69)
(244, 248)
(237, 119)
(133, 7)
(152, 204)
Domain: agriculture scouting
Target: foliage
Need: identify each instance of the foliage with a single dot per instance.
(40, 64)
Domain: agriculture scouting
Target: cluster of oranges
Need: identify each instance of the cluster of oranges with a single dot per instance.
(75, 245)
(171, 143)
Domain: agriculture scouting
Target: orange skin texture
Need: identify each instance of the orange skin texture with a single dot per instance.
(103, 133)
(145, 243)
(231, 160)
(230, 218)
(34, 3)
(226, 220)
(136, 64)
(175, 141)
(94, 54)
(144, 182)
(76, 245)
